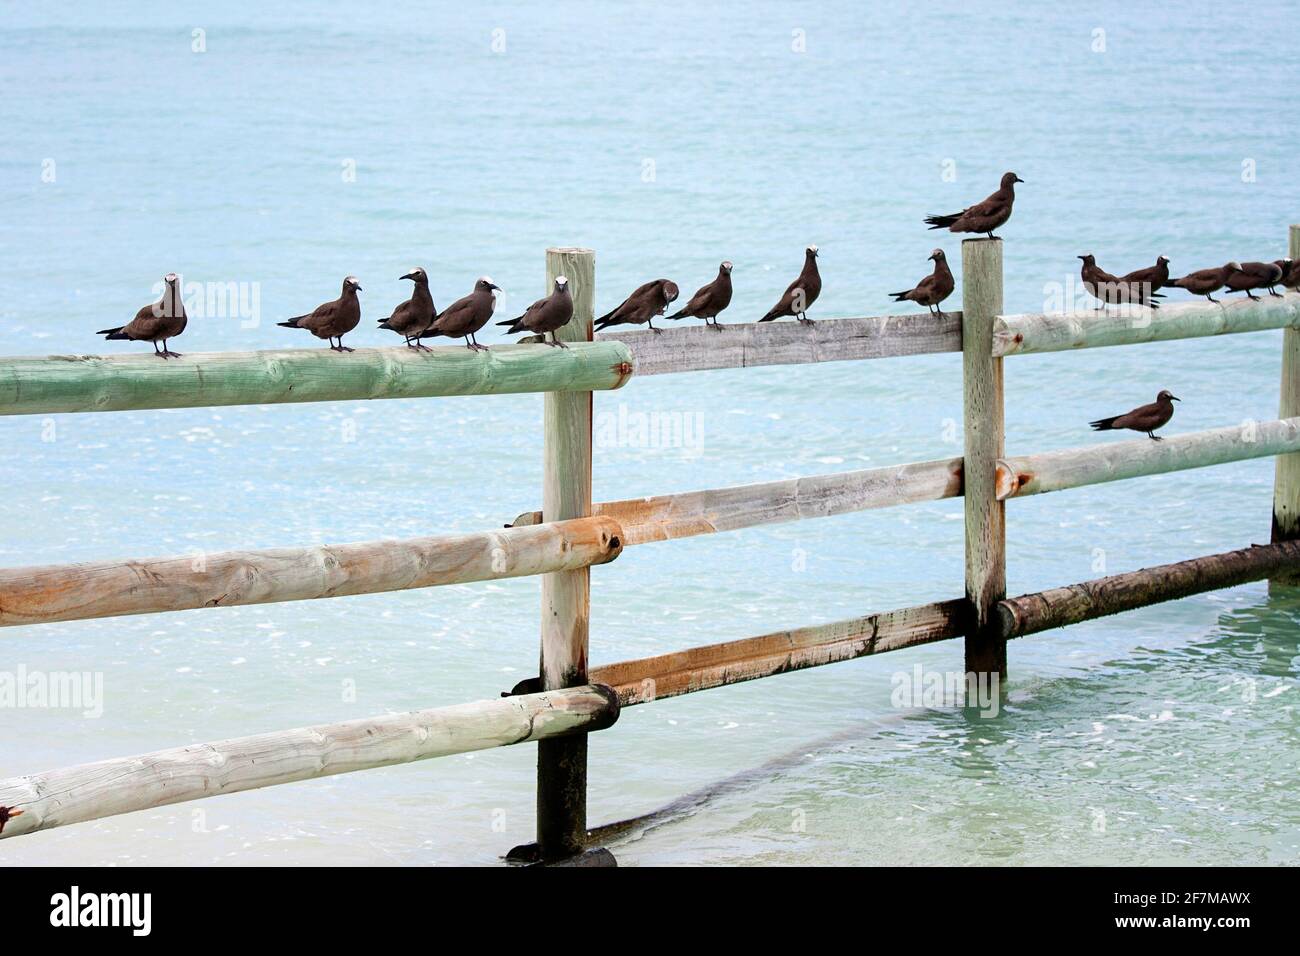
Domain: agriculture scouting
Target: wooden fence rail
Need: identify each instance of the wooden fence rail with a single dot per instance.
(1028, 334)
(84, 383)
(109, 787)
(70, 592)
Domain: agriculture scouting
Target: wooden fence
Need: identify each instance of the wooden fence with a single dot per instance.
(569, 533)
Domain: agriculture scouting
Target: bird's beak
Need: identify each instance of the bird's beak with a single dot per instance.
(493, 285)
(1019, 180)
(1175, 398)
(359, 289)
(1081, 257)
(409, 275)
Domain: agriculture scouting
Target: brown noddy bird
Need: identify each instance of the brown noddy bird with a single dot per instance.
(466, 315)
(332, 320)
(642, 305)
(1290, 272)
(1255, 275)
(1207, 281)
(983, 216)
(934, 288)
(158, 322)
(546, 315)
(416, 314)
(1144, 418)
(709, 299)
(1147, 282)
(1112, 289)
(801, 293)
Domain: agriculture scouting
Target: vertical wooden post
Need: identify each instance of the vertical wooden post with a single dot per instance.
(1286, 479)
(566, 493)
(986, 535)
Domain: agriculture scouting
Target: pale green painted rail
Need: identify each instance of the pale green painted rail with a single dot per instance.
(88, 383)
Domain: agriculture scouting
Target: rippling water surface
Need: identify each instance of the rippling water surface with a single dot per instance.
(666, 137)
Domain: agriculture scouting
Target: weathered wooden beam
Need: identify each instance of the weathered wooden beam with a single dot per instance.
(1286, 478)
(566, 595)
(1117, 461)
(695, 348)
(1058, 607)
(126, 784)
(718, 665)
(87, 383)
(69, 592)
(667, 517)
(982, 408)
(1026, 334)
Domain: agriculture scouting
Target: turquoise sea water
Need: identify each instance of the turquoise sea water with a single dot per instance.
(665, 136)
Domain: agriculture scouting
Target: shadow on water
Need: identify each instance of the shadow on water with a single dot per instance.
(1261, 640)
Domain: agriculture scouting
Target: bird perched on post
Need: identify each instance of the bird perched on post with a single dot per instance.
(642, 305)
(801, 293)
(1113, 289)
(1144, 418)
(934, 288)
(1207, 281)
(548, 314)
(1145, 283)
(709, 299)
(158, 322)
(983, 216)
(466, 315)
(332, 320)
(1255, 275)
(416, 314)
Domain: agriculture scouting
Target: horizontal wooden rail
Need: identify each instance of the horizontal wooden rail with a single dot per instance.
(695, 348)
(1025, 334)
(69, 592)
(87, 383)
(717, 665)
(91, 791)
(665, 517)
(1058, 607)
(1116, 461)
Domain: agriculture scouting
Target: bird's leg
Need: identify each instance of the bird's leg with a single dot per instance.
(1273, 291)
(650, 322)
(1154, 437)
(804, 319)
(555, 340)
(1211, 298)
(157, 352)
(1252, 296)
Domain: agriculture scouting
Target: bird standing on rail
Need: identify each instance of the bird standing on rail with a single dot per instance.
(416, 314)
(1255, 275)
(549, 314)
(934, 288)
(645, 302)
(801, 293)
(332, 320)
(1144, 418)
(709, 299)
(466, 315)
(1207, 281)
(157, 322)
(1113, 289)
(1290, 272)
(983, 216)
(1145, 283)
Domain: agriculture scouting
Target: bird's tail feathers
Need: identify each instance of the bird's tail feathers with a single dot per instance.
(941, 222)
(116, 333)
(1104, 424)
